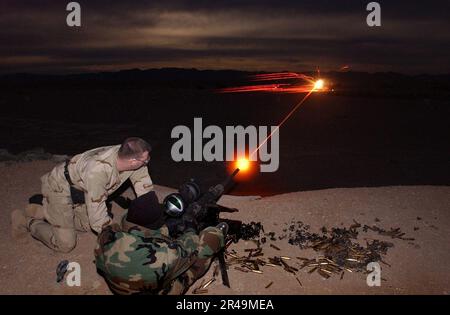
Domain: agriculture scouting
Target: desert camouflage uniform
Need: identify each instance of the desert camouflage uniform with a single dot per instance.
(136, 260)
(93, 172)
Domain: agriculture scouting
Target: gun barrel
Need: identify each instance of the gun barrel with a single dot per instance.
(235, 172)
(230, 178)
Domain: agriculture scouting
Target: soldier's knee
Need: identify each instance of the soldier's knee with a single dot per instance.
(33, 226)
(66, 247)
(65, 240)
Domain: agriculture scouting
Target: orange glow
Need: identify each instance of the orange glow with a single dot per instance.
(247, 169)
(312, 86)
(302, 84)
(274, 88)
(243, 164)
(319, 84)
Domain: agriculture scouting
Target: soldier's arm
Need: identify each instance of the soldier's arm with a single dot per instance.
(207, 243)
(141, 181)
(96, 182)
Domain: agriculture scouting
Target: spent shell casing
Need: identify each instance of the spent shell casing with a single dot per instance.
(273, 246)
(207, 284)
(241, 269)
(312, 270)
(274, 261)
(332, 268)
(284, 263)
(323, 274)
(289, 268)
(250, 267)
(256, 271)
(200, 285)
(271, 265)
(285, 257)
(302, 258)
(305, 264)
(200, 291)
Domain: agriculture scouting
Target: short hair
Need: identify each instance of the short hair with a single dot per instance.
(134, 147)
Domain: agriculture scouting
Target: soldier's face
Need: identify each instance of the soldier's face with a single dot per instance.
(139, 162)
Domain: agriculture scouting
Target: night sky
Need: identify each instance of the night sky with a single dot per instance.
(244, 35)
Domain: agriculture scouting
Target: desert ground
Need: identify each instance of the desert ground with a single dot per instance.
(416, 267)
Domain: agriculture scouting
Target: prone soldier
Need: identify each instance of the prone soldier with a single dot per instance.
(141, 256)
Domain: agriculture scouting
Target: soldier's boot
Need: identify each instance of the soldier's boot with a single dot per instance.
(223, 227)
(19, 224)
(35, 211)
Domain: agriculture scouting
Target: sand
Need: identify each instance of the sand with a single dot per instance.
(418, 267)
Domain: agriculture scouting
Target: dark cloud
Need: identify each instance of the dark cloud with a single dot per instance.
(253, 35)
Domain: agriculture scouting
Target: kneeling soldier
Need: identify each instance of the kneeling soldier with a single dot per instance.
(75, 193)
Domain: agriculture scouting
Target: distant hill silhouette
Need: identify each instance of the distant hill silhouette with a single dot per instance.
(348, 83)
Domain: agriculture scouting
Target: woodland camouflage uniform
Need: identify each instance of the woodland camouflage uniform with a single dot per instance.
(134, 259)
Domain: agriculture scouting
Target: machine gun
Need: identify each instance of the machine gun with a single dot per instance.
(190, 208)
